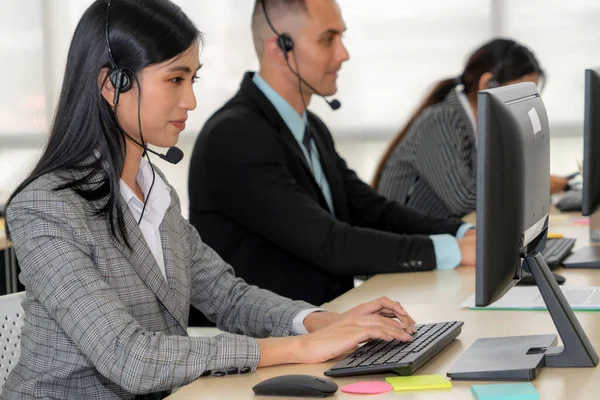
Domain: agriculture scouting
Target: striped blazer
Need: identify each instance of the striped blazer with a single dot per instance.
(433, 168)
(102, 322)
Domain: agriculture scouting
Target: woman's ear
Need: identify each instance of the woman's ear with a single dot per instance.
(484, 80)
(106, 87)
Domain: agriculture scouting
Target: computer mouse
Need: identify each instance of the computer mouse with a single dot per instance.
(529, 280)
(296, 386)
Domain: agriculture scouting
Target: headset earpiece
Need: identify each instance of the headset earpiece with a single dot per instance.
(285, 43)
(120, 81)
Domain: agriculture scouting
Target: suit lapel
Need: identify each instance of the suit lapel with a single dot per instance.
(143, 262)
(270, 113)
(331, 173)
(178, 283)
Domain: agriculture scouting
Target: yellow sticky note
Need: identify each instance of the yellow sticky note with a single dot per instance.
(555, 235)
(419, 382)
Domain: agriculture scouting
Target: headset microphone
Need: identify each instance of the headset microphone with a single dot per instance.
(174, 154)
(334, 104)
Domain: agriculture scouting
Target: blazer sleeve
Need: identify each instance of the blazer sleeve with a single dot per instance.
(369, 209)
(445, 160)
(249, 179)
(55, 253)
(234, 305)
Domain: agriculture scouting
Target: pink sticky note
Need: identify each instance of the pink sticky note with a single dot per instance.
(373, 387)
(581, 221)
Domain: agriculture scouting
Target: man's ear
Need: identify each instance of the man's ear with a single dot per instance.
(274, 51)
(106, 87)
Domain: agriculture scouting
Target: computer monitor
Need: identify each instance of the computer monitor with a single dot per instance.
(513, 174)
(589, 257)
(590, 203)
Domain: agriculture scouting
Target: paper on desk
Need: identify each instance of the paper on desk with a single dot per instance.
(529, 298)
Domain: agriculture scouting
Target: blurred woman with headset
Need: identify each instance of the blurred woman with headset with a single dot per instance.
(110, 266)
(431, 164)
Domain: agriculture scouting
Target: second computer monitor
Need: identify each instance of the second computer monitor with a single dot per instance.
(589, 257)
(513, 170)
(513, 201)
(591, 143)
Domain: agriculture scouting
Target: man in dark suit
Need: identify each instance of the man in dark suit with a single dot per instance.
(271, 195)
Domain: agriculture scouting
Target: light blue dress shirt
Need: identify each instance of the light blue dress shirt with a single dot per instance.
(297, 124)
(447, 252)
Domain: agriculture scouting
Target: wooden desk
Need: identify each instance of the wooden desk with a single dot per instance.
(436, 296)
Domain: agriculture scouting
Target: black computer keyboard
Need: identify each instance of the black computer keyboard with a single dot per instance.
(404, 358)
(557, 250)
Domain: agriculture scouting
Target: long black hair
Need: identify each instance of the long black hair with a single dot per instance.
(142, 33)
(504, 58)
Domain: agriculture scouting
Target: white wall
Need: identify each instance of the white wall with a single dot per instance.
(398, 50)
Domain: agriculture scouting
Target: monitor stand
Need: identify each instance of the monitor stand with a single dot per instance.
(519, 358)
(587, 257)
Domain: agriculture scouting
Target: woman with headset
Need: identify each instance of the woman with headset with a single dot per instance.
(431, 164)
(109, 264)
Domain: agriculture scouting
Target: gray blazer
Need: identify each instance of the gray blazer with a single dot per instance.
(100, 319)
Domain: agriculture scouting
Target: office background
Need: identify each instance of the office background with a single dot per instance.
(398, 50)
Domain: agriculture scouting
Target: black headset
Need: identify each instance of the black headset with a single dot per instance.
(118, 76)
(494, 83)
(286, 44)
(121, 78)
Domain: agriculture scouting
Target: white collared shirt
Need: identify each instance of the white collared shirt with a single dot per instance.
(156, 207)
(464, 101)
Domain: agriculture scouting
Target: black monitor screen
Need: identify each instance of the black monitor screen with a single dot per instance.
(591, 143)
(513, 185)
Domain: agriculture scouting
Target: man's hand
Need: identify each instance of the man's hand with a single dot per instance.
(467, 250)
(557, 184)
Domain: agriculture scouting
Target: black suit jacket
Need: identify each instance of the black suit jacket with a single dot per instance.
(254, 200)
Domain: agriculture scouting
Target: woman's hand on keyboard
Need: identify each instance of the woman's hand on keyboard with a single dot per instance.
(344, 335)
(383, 306)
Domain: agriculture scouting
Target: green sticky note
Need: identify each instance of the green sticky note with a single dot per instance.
(419, 382)
(505, 391)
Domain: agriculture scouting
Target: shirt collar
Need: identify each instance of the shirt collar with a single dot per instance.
(292, 119)
(464, 101)
(158, 200)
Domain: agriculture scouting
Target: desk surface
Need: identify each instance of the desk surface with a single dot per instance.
(436, 296)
